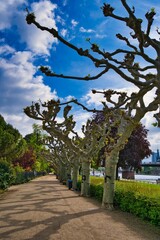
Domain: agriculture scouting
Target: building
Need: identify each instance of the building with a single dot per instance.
(155, 156)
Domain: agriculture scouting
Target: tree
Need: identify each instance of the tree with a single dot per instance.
(27, 160)
(157, 117)
(36, 147)
(12, 144)
(136, 149)
(130, 70)
(81, 149)
(6, 174)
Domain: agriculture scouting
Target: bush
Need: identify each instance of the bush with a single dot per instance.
(19, 174)
(140, 199)
(96, 191)
(79, 185)
(6, 174)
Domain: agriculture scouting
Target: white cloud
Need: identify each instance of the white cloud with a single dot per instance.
(60, 20)
(68, 98)
(82, 29)
(19, 72)
(96, 99)
(6, 49)
(20, 122)
(37, 41)
(154, 139)
(154, 34)
(93, 99)
(63, 32)
(100, 36)
(40, 42)
(81, 118)
(7, 11)
(19, 87)
(154, 132)
(74, 23)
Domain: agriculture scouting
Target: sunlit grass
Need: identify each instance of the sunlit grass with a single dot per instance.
(139, 188)
(96, 180)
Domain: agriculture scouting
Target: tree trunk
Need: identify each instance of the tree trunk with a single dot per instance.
(85, 178)
(75, 176)
(63, 173)
(111, 159)
(109, 179)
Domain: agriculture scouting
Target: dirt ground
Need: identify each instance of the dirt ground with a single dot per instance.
(43, 209)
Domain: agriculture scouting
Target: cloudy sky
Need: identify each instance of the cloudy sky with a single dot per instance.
(23, 48)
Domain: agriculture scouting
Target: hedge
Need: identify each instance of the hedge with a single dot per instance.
(140, 199)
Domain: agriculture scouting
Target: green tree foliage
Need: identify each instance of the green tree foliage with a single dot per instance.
(6, 174)
(35, 141)
(11, 142)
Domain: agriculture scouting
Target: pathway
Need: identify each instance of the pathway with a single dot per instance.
(43, 209)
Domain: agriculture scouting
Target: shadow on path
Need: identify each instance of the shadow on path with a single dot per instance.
(46, 210)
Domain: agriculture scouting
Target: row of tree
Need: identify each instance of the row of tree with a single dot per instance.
(68, 152)
(137, 63)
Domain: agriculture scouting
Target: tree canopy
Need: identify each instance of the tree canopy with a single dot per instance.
(136, 149)
(12, 143)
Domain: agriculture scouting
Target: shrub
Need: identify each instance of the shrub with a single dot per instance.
(140, 199)
(6, 174)
(19, 174)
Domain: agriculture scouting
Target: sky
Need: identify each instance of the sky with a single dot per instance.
(23, 48)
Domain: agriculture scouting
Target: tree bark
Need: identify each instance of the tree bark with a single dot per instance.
(75, 176)
(85, 178)
(109, 179)
(111, 159)
(62, 173)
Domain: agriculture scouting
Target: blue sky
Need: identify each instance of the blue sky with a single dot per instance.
(23, 48)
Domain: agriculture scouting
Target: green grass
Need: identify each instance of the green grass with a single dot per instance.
(138, 198)
(96, 180)
(139, 188)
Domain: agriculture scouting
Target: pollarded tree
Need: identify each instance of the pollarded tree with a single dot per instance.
(81, 150)
(132, 63)
(60, 152)
(135, 150)
(59, 132)
(64, 159)
(157, 117)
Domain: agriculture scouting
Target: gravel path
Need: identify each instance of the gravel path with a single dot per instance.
(43, 209)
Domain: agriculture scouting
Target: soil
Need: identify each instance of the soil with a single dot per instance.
(44, 209)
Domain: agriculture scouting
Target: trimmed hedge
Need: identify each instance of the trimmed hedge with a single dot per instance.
(140, 199)
(13, 176)
(23, 177)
